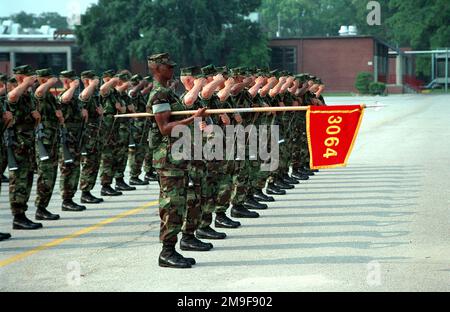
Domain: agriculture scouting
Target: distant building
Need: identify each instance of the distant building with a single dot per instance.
(41, 48)
(338, 60)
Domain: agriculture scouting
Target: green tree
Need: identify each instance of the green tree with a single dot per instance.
(300, 18)
(193, 32)
(52, 19)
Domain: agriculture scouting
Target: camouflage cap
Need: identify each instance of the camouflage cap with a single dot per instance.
(235, 71)
(26, 70)
(148, 78)
(187, 71)
(264, 72)
(161, 58)
(222, 70)
(209, 70)
(68, 74)
(136, 78)
(88, 74)
(12, 80)
(318, 81)
(124, 77)
(275, 73)
(109, 73)
(312, 77)
(301, 78)
(3, 78)
(44, 73)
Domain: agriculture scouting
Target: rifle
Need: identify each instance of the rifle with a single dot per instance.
(43, 154)
(81, 146)
(68, 159)
(9, 138)
(132, 142)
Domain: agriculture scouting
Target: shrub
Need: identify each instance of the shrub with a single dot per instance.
(363, 81)
(377, 88)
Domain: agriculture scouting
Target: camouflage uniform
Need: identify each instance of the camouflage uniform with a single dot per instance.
(3, 156)
(241, 182)
(216, 193)
(140, 135)
(123, 142)
(195, 197)
(21, 180)
(172, 173)
(92, 144)
(70, 173)
(258, 177)
(47, 169)
(114, 142)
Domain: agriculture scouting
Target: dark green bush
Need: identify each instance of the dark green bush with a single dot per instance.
(377, 88)
(363, 81)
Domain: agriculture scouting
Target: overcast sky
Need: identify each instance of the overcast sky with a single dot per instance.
(38, 6)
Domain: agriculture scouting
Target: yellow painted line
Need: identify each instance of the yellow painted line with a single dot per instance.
(76, 234)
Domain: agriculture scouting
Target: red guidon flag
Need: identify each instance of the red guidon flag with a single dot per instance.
(332, 131)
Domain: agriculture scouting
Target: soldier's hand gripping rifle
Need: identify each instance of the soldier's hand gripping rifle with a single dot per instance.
(63, 133)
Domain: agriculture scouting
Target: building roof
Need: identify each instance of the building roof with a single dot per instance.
(339, 37)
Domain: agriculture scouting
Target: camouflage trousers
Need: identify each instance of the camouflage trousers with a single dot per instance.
(124, 139)
(241, 183)
(300, 153)
(4, 161)
(138, 155)
(195, 197)
(70, 173)
(217, 188)
(113, 153)
(148, 161)
(21, 180)
(90, 163)
(47, 172)
(172, 203)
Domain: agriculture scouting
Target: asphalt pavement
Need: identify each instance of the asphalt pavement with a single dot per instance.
(381, 224)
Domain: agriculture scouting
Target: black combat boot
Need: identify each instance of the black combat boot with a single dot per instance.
(151, 176)
(251, 203)
(222, 221)
(299, 176)
(21, 222)
(69, 205)
(209, 233)
(308, 171)
(122, 186)
(137, 181)
(260, 196)
(239, 211)
(287, 179)
(169, 258)
(4, 236)
(4, 179)
(274, 190)
(109, 191)
(88, 198)
(191, 243)
(44, 214)
(282, 185)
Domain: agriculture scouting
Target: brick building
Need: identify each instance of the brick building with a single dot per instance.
(337, 60)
